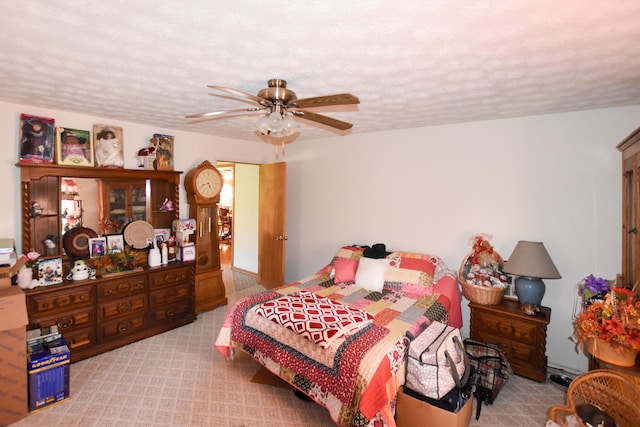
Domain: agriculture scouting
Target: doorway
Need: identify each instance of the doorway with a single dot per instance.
(238, 216)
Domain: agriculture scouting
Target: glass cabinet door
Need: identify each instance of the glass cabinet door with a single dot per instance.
(126, 201)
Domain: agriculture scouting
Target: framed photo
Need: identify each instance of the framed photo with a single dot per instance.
(74, 147)
(510, 291)
(162, 236)
(108, 145)
(49, 271)
(115, 243)
(97, 247)
(164, 151)
(36, 139)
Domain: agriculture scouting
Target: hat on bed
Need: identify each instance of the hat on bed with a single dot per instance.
(379, 250)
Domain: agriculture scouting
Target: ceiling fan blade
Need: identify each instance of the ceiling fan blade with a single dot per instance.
(240, 93)
(215, 115)
(325, 101)
(324, 120)
(265, 103)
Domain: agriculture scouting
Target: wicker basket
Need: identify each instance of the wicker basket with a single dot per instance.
(483, 295)
(611, 391)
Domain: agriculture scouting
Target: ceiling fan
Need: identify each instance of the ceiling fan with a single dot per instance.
(278, 106)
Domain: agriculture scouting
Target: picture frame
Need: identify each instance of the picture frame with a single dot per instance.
(108, 145)
(510, 290)
(97, 247)
(115, 243)
(162, 235)
(74, 147)
(50, 271)
(36, 139)
(163, 151)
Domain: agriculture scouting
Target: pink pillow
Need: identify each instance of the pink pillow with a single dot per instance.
(345, 269)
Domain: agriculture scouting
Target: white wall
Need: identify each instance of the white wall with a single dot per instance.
(245, 217)
(190, 150)
(551, 178)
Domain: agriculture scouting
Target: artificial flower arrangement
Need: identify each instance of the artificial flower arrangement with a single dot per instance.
(117, 262)
(483, 266)
(31, 259)
(609, 313)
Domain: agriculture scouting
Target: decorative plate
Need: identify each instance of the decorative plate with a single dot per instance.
(76, 241)
(139, 234)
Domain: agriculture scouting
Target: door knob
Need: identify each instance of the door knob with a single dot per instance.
(281, 237)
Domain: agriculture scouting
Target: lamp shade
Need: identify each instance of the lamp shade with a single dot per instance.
(531, 259)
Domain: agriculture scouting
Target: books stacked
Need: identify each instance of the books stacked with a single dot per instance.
(7, 251)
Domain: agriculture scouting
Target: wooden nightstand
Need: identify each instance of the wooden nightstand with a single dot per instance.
(523, 338)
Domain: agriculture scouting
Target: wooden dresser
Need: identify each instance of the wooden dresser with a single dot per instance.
(99, 315)
(523, 338)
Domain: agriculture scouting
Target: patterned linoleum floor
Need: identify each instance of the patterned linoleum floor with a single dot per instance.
(178, 379)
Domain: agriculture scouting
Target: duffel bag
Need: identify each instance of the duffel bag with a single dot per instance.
(437, 361)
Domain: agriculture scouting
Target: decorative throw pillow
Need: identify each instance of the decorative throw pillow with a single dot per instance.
(345, 270)
(371, 272)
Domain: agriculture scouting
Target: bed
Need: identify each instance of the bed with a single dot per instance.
(340, 335)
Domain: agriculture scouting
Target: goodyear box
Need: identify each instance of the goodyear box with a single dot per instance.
(48, 368)
(13, 346)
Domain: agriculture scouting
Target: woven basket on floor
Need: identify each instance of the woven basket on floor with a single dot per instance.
(609, 390)
(483, 295)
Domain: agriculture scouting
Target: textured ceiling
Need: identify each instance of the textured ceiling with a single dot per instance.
(411, 63)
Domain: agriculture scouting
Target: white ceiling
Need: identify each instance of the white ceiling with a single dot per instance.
(411, 63)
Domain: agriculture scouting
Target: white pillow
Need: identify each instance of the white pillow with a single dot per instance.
(370, 274)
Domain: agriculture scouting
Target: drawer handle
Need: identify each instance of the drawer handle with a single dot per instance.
(125, 326)
(45, 305)
(65, 322)
(83, 297)
(124, 307)
(505, 329)
(522, 334)
(172, 312)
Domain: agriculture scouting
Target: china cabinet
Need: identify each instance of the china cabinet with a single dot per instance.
(630, 148)
(113, 310)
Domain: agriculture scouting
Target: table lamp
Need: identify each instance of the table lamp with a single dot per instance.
(531, 262)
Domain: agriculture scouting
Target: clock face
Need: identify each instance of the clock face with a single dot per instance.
(208, 183)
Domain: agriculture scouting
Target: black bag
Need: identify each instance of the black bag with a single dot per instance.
(454, 400)
(492, 370)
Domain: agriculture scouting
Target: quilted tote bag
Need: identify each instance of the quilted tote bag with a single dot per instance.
(437, 361)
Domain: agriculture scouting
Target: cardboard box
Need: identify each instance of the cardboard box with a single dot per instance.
(13, 346)
(412, 412)
(48, 369)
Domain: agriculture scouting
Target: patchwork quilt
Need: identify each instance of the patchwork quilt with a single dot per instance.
(354, 372)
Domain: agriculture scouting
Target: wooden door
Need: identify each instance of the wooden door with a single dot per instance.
(271, 224)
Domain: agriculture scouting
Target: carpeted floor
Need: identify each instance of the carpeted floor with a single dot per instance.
(178, 379)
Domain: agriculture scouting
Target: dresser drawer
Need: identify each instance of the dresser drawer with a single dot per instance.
(121, 288)
(123, 327)
(168, 295)
(125, 306)
(80, 339)
(169, 277)
(65, 322)
(64, 300)
(516, 352)
(171, 312)
(508, 328)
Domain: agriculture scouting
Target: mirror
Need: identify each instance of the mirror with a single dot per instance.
(79, 204)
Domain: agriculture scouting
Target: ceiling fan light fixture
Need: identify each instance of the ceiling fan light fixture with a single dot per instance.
(277, 124)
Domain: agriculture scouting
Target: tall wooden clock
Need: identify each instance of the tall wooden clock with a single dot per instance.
(203, 185)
